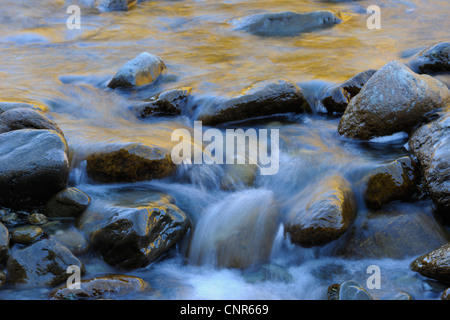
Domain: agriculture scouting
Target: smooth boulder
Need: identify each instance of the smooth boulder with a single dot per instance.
(435, 264)
(169, 102)
(321, 214)
(33, 166)
(430, 144)
(9, 105)
(26, 234)
(263, 98)
(26, 118)
(70, 202)
(432, 60)
(395, 99)
(286, 23)
(142, 70)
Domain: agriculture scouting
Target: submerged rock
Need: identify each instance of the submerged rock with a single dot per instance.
(10, 105)
(25, 118)
(395, 99)
(132, 237)
(33, 166)
(336, 98)
(263, 98)
(4, 242)
(391, 234)
(323, 214)
(73, 239)
(37, 219)
(106, 287)
(268, 272)
(129, 162)
(431, 145)
(286, 23)
(396, 180)
(351, 290)
(432, 60)
(435, 264)
(114, 5)
(446, 294)
(169, 102)
(26, 234)
(142, 70)
(43, 263)
(69, 202)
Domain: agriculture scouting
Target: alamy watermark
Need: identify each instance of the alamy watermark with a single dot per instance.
(235, 146)
(373, 281)
(374, 21)
(74, 20)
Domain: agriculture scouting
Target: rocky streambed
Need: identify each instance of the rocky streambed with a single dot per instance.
(88, 183)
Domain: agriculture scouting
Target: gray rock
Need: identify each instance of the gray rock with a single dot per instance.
(263, 98)
(26, 118)
(37, 219)
(435, 264)
(33, 166)
(69, 202)
(142, 70)
(323, 214)
(395, 99)
(43, 263)
(4, 243)
(285, 23)
(432, 60)
(73, 239)
(431, 145)
(169, 102)
(351, 290)
(7, 105)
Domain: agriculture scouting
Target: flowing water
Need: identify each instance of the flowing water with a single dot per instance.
(68, 71)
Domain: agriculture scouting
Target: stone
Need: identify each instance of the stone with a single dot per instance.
(9, 105)
(263, 98)
(114, 5)
(70, 202)
(321, 214)
(394, 99)
(435, 264)
(26, 234)
(446, 294)
(351, 290)
(169, 102)
(432, 60)
(142, 70)
(4, 243)
(26, 118)
(33, 166)
(37, 219)
(73, 239)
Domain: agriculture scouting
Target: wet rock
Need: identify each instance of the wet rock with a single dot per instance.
(286, 23)
(33, 166)
(391, 234)
(69, 202)
(432, 60)
(26, 234)
(435, 264)
(142, 70)
(430, 144)
(132, 237)
(73, 239)
(333, 292)
(396, 180)
(269, 272)
(263, 98)
(43, 263)
(238, 176)
(106, 287)
(446, 294)
(12, 219)
(2, 278)
(10, 105)
(129, 162)
(321, 215)
(37, 219)
(114, 5)
(169, 102)
(26, 118)
(394, 99)
(336, 98)
(4, 243)
(351, 290)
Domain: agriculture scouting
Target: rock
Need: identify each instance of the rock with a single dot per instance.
(322, 214)
(69, 202)
(43, 263)
(106, 287)
(26, 118)
(129, 162)
(169, 102)
(114, 5)
(238, 176)
(396, 180)
(286, 23)
(351, 290)
(73, 239)
(446, 294)
(269, 272)
(391, 234)
(37, 219)
(9, 105)
(263, 98)
(26, 234)
(394, 99)
(142, 70)
(2, 278)
(33, 166)
(337, 97)
(12, 219)
(333, 292)
(132, 237)
(435, 264)
(430, 144)
(4, 243)
(432, 60)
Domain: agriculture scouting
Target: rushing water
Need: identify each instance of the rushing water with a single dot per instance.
(68, 71)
